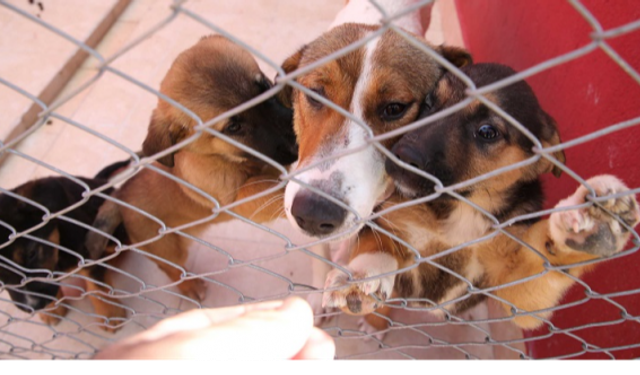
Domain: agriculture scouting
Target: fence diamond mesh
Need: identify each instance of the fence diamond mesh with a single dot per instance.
(245, 261)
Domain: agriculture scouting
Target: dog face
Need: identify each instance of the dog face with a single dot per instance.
(209, 79)
(475, 140)
(28, 258)
(26, 253)
(383, 85)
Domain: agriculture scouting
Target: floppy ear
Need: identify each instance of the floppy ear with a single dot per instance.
(458, 56)
(285, 95)
(551, 138)
(160, 136)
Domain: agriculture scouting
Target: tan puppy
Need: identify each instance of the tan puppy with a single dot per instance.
(210, 78)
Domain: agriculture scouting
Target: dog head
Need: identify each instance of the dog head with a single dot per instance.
(383, 85)
(210, 78)
(475, 140)
(32, 257)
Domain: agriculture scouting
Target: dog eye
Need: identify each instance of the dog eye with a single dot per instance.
(488, 133)
(394, 111)
(233, 127)
(31, 255)
(428, 102)
(313, 102)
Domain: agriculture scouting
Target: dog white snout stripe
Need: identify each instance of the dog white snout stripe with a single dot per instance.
(362, 173)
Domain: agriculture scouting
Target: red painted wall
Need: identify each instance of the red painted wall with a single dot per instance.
(584, 95)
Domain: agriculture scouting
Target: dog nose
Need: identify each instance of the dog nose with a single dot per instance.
(316, 215)
(409, 155)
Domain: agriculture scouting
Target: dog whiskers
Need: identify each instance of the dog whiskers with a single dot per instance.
(232, 194)
(267, 204)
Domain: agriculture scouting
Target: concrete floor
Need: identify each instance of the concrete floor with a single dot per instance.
(120, 110)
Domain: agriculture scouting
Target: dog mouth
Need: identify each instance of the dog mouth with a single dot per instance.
(28, 301)
(416, 189)
(249, 162)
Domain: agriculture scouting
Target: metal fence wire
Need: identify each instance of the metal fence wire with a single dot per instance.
(240, 265)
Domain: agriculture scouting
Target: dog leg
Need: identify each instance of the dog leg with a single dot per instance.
(376, 324)
(108, 218)
(592, 230)
(174, 250)
(53, 317)
(191, 288)
(371, 259)
(102, 305)
(568, 237)
(319, 271)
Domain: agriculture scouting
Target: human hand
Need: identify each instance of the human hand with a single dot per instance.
(270, 330)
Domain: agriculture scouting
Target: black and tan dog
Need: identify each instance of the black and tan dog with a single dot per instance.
(469, 143)
(24, 258)
(210, 78)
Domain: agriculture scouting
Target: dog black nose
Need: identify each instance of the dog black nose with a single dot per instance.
(316, 215)
(409, 155)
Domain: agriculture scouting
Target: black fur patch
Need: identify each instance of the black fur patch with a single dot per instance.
(54, 193)
(603, 242)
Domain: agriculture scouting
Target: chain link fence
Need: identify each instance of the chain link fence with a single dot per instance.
(240, 269)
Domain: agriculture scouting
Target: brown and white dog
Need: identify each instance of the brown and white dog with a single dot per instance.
(462, 146)
(382, 84)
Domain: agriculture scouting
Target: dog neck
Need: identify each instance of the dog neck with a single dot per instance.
(213, 174)
(362, 11)
(453, 221)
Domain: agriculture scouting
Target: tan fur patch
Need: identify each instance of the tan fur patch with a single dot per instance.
(51, 254)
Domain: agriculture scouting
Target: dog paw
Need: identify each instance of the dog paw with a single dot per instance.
(49, 319)
(115, 316)
(110, 327)
(372, 331)
(592, 229)
(196, 289)
(356, 298)
(53, 317)
(321, 314)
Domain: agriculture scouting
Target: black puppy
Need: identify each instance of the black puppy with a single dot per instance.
(25, 258)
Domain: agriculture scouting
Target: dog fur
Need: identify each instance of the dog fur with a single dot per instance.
(210, 78)
(364, 12)
(24, 257)
(469, 143)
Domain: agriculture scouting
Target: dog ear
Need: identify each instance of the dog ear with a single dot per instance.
(162, 134)
(285, 95)
(458, 56)
(550, 137)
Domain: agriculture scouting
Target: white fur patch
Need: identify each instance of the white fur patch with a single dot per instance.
(362, 11)
(465, 224)
(418, 235)
(373, 264)
(30, 300)
(361, 267)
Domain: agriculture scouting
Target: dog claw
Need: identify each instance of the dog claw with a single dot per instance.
(355, 298)
(195, 289)
(370, 330)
